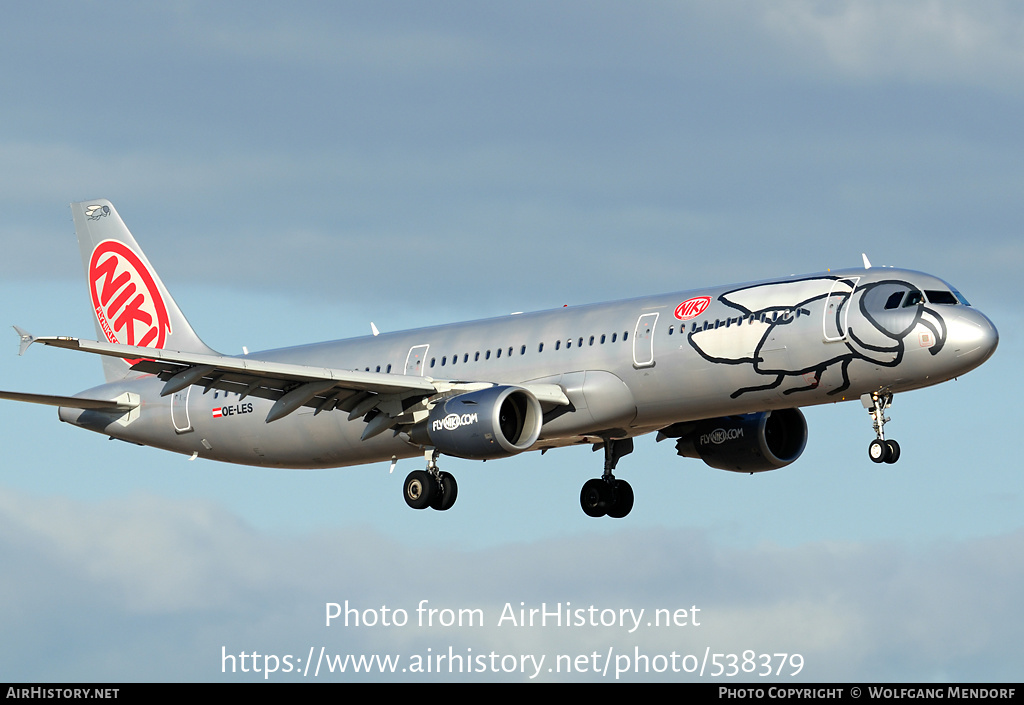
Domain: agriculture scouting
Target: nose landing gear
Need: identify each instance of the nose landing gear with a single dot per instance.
(881, 450)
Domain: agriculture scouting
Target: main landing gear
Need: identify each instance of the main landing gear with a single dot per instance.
(881, 450)
(606, 495)
(431, 487)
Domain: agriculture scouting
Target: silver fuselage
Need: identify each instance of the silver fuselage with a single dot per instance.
(628, 367)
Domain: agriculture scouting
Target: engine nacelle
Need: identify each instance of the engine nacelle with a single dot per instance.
(747, 443)
(490, 423)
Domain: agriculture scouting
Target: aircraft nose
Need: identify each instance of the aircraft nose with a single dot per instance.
(972, 337)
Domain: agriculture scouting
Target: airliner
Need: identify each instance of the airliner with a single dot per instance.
(723, 371)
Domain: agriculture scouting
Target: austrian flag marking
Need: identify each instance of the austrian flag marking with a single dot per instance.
(692, 307)
(125, 297)
(217, 413)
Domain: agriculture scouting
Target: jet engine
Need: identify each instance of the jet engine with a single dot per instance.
(490, 423)
(747, 443)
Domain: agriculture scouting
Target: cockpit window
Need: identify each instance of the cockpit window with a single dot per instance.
(894, 300)
(914, 298)
(884, 295)
(893, 295)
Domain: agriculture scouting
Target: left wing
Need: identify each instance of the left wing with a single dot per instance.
(385, 400)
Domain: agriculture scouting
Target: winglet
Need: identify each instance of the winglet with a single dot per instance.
(867, 265)
(26, 339)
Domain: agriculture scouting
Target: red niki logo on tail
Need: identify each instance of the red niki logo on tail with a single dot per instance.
(126, 299)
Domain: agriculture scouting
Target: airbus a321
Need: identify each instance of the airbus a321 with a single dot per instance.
(723, 371)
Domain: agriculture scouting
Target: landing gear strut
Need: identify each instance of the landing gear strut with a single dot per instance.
(431, 487)
(880, 450)
(606, 495)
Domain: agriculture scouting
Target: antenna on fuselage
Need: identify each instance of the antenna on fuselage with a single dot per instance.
(867, 265)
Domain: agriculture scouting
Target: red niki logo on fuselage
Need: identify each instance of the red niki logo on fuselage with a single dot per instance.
(126, 299)
(691, 308)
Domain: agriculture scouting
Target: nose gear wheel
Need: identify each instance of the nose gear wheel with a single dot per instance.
(880, 450)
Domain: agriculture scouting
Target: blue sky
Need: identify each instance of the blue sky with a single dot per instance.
(295, 175)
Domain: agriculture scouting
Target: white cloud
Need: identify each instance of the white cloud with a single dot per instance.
(935, 41)
(133, 575)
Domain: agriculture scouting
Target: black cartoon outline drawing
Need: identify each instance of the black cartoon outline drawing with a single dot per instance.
(883, 343)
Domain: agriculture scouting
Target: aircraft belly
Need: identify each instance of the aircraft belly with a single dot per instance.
(228, 428)
(300, 440)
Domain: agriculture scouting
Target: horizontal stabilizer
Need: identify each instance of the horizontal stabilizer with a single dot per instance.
(69, 402)
(26, 339)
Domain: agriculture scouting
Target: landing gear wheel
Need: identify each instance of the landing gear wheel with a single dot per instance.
(879, 451)
(623, 499)
(596, 497)
(420, 489)
(447, 491)
(894, 451)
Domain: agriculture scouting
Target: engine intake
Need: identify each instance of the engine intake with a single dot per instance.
(747, 443)
(490, 423)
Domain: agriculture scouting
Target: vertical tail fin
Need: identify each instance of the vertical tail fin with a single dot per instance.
(130, 304)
